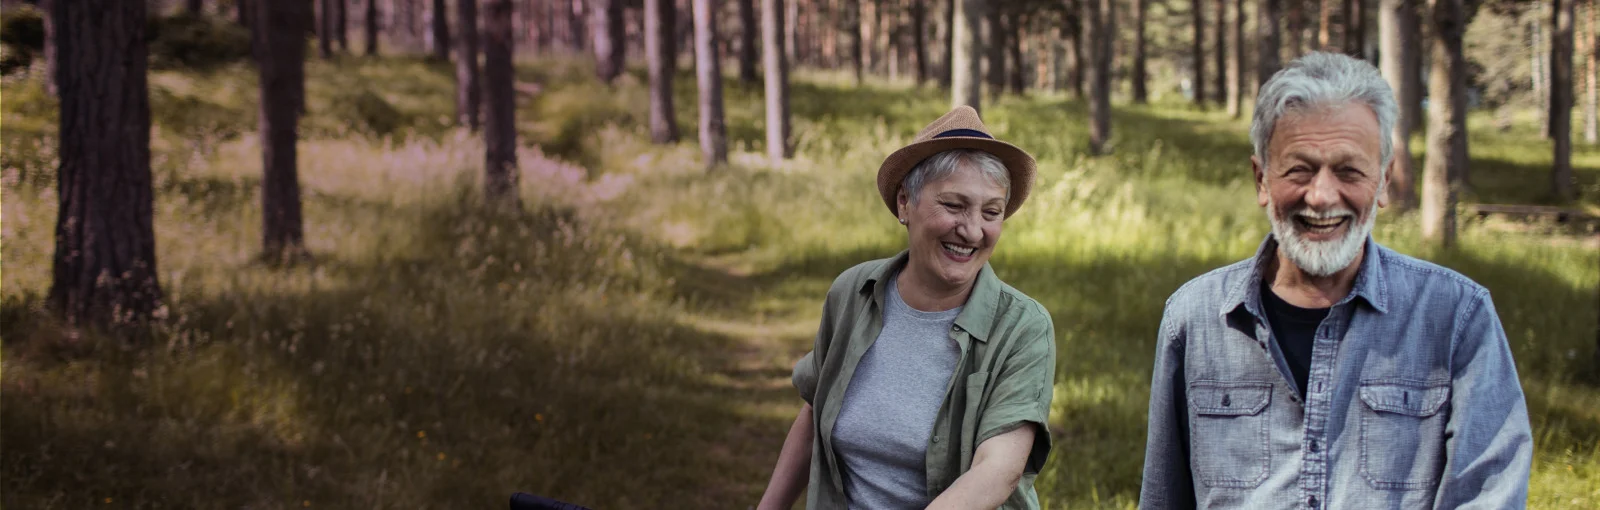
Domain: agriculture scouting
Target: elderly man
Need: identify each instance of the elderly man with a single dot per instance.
(1328, 371)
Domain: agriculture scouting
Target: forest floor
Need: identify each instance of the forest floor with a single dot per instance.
(625, 340)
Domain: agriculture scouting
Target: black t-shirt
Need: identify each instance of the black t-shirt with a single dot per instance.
(1295, 330)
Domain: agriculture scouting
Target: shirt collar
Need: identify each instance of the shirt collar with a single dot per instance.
(1370, 286)
(977, 314)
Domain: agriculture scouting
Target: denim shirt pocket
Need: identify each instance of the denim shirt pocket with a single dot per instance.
(1402, 433)
(1228, 436)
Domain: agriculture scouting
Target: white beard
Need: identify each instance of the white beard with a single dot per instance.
(1320, 258)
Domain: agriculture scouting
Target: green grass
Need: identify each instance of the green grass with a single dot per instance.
(625, 342)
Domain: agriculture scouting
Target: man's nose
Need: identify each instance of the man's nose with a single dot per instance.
(1323, 191)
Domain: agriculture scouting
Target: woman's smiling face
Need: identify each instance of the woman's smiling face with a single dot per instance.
(954, 225)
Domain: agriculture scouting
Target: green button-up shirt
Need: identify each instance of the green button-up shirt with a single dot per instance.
(1003, 379)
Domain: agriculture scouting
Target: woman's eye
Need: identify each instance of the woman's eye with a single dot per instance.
(952, 205)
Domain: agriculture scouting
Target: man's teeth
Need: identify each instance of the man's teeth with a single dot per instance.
(1322, 222)
(959, 250)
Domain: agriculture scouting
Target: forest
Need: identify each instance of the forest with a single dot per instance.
(429, 253)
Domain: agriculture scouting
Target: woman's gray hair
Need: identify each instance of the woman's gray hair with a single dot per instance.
(942, 165)
(1319, 80)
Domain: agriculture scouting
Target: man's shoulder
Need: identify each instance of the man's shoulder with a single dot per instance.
(1409, 278)
(1203, 295)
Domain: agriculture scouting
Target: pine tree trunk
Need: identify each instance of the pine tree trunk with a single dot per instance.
(468, 89)
(500, 128)
(919, 47)
(1219, 51)
(1267, 40)
(1561, 178)
(280, 38)
(324, 29)
(1447, 120)
(1076, 48)
(996, 51)
(858, 47)
(947, 68)
(1355, 29)
(966, 47)
(241, 12)
(1197, 51)
(1294, 28)
(748, 31)
(341, 32)
(791, 34)
(1141, 92)
(1398, 44)
(1014, 26)
(708, 70)
(777, 80)
(606, 27)
(1591, 124)
(372, 27)
(660, 16)
(1235, 85)
(1327, 29)
(104, 269)
(1099, 27)
(441, 30)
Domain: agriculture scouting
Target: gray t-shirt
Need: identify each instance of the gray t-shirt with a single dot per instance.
(889, 408)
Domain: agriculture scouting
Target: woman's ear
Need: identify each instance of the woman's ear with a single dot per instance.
(903, 205)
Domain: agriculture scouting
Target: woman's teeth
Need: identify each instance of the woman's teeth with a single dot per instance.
(958, 250)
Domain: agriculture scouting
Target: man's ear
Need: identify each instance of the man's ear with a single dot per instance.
(1258, 171)
(1383, 184)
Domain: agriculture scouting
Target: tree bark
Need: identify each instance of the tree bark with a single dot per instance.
(1141, 92)
(919, 47)
(660, 52)
(1591, 123)
(1219, 51)
(341, 17)
(606, 27)
(372, 27)
(104, 268)
(1561, 178)
(947, 66)
(1014, 29)
(241, 12)
(791, 33)
(858, 48)
(468, 89)
(1447, 120)
(1267, 40)
(500, 130)
(747, 41)
(1197, 51)
(1294, 28)
(51, 69)
(995, 40)
(1398, 45)
(1099, 26)
(708, 70)
(1077, 53)
(441, 30)
(324, 29)
(966, 68)
(280, 29)
(1235, 61)
(1355, 29)
(777, 80)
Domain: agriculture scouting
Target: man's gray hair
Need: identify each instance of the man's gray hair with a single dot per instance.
(942, 165)
(1319, 80)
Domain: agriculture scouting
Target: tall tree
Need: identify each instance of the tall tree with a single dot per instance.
(1355, 28)
(441, 30)
(1294, 27)
(708, 70)
(325, 30)
(995, 42)
(1014, 23)
(606, 24)
(1327, 28)
(1197, 51)
(104, 268)
(1100, 26)
(1447, 119)
(919, 47)
(1141, 93)
(468, 89)
(660, 16)
(372, 27)
(1267, 47)
(341, 32)
(965, 46)
(858, 48)
(280, 51)
(51, 69)
(777, 79)
(1398, 46)
(576, 33)
(1236, 87)
(241, 12)
(747, 41)
(1591, 103)
(947, 68)
(1219, 50)
(1561, 178)
(500, 128)
(1076, 51)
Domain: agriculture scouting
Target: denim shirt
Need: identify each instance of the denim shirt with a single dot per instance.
(1413, 399)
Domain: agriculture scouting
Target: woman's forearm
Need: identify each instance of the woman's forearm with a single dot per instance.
(793, 471)
(996, 470)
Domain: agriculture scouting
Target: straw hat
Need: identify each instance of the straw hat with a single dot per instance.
(959, 129)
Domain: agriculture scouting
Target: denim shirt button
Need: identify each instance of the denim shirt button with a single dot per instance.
(935, 439)
(1312, 503)
(1313, 449)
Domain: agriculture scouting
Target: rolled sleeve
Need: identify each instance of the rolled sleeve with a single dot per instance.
(805, 377)
(1489, 450)
(1023, 389)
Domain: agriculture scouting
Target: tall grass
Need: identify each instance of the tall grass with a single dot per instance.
(625, 341)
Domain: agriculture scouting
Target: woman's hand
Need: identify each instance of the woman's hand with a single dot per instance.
(793, 471)
(996, 470)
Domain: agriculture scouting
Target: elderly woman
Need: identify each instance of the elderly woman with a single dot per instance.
(930, 381)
